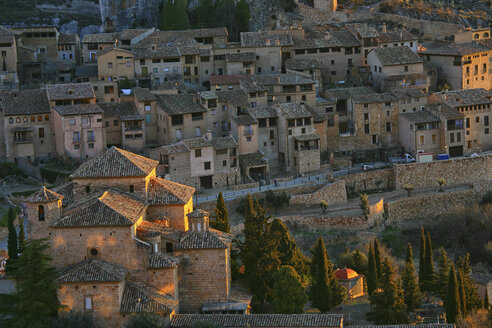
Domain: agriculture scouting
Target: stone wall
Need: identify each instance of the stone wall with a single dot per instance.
(454, 171)
(333, 193)
(370, 180)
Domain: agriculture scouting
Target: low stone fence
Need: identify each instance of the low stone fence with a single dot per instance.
(333, 193)
(383, 179)
(377, 208)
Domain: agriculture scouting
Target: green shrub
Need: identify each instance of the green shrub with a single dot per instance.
(145, 321)
(50, 175)
(24, 193)
(277, 200)
(7, 168)
(73, 320)
(487, 198)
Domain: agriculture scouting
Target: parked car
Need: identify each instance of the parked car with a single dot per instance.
(404, 158)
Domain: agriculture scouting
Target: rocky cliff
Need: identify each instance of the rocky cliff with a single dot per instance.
(119, 14)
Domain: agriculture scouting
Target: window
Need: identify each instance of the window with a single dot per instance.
(76, 146)
(333, 62)
(388, 126)
(46, 117)
(206, 165)
(106, 123)
(288, 98)
(366, 128)
(90, 136)
(76, 137)
(41, 132)
(333, 73)
(477, 119)
(434, 139)
(406, 68)
(179, 136)
(41, 213)
(88, 303)
(303, 98)
(115, 122)
(422, 140)
(71, 122)
(148, 119)
(177, 119)
(374, 139)
(33, 119)
(87, 189)
(131, 188)
(486, 120)
(451, 137)
(486, 130)
(18, 120)
(85, 120)
(197, 131)
(108, 89)
(467, 122)
(458, 137)
(248, 139)
(224, 163)
(11, 120)
(110, 65)
(198, 153)
(272, 134)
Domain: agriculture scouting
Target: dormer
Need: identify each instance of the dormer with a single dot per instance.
(198, 220)
(43, 207)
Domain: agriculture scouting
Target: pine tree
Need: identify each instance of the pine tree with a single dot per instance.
(325, 292)
(388, 306)
(473, 300)
(12, 239)
(372, 275)
(441, 276)
(486, 303)
(35, 303)
(411, 290)
(452, 301)
(288, 252)
(258, 252)
(21, 237)
(205, 13)
(243, 15)
(289, 295)
(422, 265)
(173, 15)
(461, 293)
(429, 264)
(221, 221)
(377, 257)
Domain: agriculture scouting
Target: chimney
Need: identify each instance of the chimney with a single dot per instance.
(383, 28)
(208, 135)
(327, 35)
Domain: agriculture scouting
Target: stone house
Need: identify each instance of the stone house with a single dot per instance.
(397, 67)
(115, 64)
(77, 120)
(461, 65)
(473, 35)
(310, 67)
(123, 125)
(452, 129)
(287, 88)
(146, 103)
(352, 281)
(9, 78)
(26, 130)
(338, 53)
(475, 105)
(181, 117)
(240, 63)
(203, 162)
(411, 100)
(42, 38)
(420, 132)
(69, 48)
(268, 142)
(138, 234)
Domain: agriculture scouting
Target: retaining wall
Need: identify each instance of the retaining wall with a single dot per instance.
(370, 180)
(333, 193)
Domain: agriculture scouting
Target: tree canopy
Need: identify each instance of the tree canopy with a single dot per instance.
(289, 295)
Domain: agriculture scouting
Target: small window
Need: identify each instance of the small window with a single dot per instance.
(11, 120)
(71, 122)
(198, 153)
(224, 163)
(131, 188)
(406, 68)
(110, 65)
(91, 145)
(88, 303)
(206, 165)
(87, 189)
(169, 247)
(41, 213)
(46, 117)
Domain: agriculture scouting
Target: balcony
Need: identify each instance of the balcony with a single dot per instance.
(27, 139)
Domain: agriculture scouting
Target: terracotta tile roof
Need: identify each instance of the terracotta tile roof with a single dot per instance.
(198, 142)
(126, 110)
(468, 97)
(264, 39)
(111, 48)
(444, 111)
(162, 261)
(210, 239)
(69, 91)
(169, 233)
(262, 112)
(306, 137)
(252, 159)
(292, 110)
(374, 98)
(244, 120)
(140, 299)
(259, 320)
(176, 148)
(131, 33)
(163, 191)
(283, 79)
(301, 64)
(64, 38)
(243, 57)
(165, 52)
(79, 109)
(233, 97)
(456, 49)
(66, 190)
(7, 34)
(248, 84)
(396, 36)
(115, 162)
(365, 31)
(92, 271)
(419, 117)
(224, 142)
(316, 43)
(110, 209)
(24, 102)
(424, 325)
(180, 104)
(225, 79)
(100, 38)
(397, 56)
(144, 94)
(44, 195)
(346, 38)
(347, 93)
(407, 93)
(198, 213)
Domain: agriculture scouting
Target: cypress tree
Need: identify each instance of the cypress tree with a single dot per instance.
(173, 15)
(34, 304)
(422, 265)
(462, 294)
(243, 15)
(429, 264)
(441, 276)
(486, 303)
(288, 252)
(473, 300)
(377, 257)
(452, 301)
(359, 262)
(12, 238)
(388, 306)
(325, 292)
(289, 295)
(372, 276)
(411, 292)
(221, 221)
(21, 237)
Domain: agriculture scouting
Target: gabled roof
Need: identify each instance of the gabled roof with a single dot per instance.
(140, 299)
(347, 93)
(263, 112)
(396, 36)
(144, 94)
(301, 64)
(92, 271)
(224, 142)
(466, 97)
(126, 110)
(419, 117)
(163, 261)
(79, 109)
(283, 79)
(198, 142)
(69, 91)
(24, 102)
(115, 162)
(292, 110)
(64, 38)
(163, 191)
(260, 320)
(225, 79)
(346, 274)
(198, 213)
(111, 48)
(397, 56)
(265, 39)
(210, 239)
(44, 195)
(180, 104)
(66, 190)
(456, 49)
(233, 97)
(374, 98)
(110, 209)
(100, 38)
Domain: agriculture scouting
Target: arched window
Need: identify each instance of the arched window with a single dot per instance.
(41, 213)
(486, 35)
(476, 36)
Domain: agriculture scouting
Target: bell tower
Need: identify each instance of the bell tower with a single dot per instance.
(43, 207)
(198, 220)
